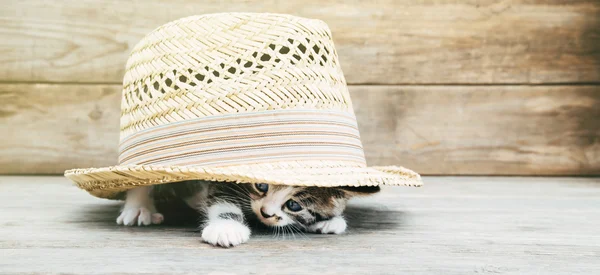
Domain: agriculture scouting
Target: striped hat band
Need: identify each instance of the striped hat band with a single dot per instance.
(245, 138)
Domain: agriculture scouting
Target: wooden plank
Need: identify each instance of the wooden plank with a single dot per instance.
(46, 128)
(387, 41)
(473, 130)
(486, 130)
(449, 226)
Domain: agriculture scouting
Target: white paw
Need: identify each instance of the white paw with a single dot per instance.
(139, 215)
(225, 233)
(336, 225)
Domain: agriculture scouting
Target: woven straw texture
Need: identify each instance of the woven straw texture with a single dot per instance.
(229, 63)
(237, 97)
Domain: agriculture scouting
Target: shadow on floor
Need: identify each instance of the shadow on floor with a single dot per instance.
(177, 214)
(363, 218)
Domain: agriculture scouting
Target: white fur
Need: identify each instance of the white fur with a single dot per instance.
(273, 202)
(271, 205)
(223, 207)
(225, 233)
(139, 209)
(336, 225)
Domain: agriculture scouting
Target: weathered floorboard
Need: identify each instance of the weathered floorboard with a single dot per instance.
(386, 41)
(449, 226)
(477, 130)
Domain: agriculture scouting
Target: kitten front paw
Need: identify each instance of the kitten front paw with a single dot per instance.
(225, 233)
(139, 215)
(336, 225)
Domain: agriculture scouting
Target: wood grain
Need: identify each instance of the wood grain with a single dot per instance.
(384, 42)
(468, 130)
(449, 226)
(48, 127)
(485, 130)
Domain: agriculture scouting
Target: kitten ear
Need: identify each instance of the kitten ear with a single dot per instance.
(353, 191)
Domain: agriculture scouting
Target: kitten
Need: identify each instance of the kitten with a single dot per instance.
(228, 207)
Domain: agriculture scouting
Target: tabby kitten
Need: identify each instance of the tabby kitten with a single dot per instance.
(228, 207)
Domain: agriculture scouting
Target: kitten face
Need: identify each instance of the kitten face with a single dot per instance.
(272, 205)
(280, 205)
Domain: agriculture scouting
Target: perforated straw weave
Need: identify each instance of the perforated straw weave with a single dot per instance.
(237, 97)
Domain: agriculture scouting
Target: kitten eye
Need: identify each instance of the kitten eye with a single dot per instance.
(293, 205)
(262, 187)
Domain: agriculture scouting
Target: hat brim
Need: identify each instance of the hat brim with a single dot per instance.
(110, 182)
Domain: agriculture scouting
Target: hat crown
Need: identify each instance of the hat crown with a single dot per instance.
(237, 88)
(228, 63)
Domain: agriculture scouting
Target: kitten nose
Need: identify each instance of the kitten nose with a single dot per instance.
(265, 215)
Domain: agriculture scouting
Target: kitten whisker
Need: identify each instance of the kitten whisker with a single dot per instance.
(296, 209)
(238, 190)
(299, 231)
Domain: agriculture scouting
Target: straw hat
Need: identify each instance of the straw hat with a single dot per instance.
(237, 97)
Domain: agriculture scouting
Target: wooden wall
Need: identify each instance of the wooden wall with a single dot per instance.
(443, 87)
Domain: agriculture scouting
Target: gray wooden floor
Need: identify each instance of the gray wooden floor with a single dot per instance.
(452, 225)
